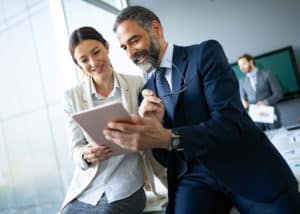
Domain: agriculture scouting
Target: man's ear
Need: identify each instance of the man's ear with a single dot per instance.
(157, 28)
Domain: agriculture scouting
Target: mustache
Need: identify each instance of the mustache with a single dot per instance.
(153, 56)
(139, 54)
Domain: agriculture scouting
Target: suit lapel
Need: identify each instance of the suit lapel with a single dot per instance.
(124, 92)
(178, 71)
(87, 97)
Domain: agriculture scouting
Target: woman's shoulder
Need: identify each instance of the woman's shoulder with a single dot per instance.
(130, 77)
(76, 90)
(131, 80)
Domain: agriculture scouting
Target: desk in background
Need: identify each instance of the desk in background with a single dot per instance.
(288, 144)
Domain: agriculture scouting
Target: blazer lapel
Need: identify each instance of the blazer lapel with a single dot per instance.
(125, 93)
(87, 97)
(178, 71)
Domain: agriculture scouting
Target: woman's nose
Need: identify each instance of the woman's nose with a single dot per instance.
(93, 62)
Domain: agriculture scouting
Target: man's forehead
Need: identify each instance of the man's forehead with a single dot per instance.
(128, 29)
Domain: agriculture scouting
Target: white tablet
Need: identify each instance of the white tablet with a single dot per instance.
(94, 120)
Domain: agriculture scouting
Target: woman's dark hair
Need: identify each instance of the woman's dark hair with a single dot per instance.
(83, 33)
(141, 15)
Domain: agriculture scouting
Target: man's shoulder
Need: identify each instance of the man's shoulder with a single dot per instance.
(264, 72)
(203, 44)
(242, 80)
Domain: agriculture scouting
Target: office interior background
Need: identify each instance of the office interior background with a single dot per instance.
(35, 163)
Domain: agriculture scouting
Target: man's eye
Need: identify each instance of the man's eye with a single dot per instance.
(96, 52)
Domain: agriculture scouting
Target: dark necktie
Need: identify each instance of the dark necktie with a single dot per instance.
(164, 92)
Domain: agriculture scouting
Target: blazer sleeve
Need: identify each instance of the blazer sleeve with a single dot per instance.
(276, 92)
(77, 141)
(223, 100)
(243, 93)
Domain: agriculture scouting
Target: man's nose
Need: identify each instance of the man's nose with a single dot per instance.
(131, 52)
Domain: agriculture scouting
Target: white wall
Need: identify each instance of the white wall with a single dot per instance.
(253, 26)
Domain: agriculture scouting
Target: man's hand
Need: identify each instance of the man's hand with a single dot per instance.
(151, 106)
(95, 153)
(245, 103)
(142, 133)
(261, 103)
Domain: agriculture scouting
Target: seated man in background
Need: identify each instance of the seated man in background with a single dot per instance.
(259, 87)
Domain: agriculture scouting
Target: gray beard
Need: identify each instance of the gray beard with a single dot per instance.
(147, 69)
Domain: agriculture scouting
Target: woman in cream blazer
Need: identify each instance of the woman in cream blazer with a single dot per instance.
(102, 182)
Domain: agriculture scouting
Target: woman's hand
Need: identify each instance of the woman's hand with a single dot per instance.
(96, 153)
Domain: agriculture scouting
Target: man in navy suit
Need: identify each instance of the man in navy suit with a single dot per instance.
(216, 157)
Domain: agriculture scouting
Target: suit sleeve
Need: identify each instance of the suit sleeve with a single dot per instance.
(243, 93)
(222, 96)
(276, 92)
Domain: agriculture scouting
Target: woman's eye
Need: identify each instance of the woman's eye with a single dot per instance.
(84, 61)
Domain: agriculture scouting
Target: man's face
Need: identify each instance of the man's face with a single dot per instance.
(141, 46)
(245, 65)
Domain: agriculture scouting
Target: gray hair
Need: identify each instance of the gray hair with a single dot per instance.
(142, 16)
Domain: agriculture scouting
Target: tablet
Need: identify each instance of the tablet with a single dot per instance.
(95, 119)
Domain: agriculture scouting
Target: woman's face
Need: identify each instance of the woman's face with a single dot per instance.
(92, 58)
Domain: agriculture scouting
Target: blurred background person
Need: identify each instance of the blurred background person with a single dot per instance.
(259, 87)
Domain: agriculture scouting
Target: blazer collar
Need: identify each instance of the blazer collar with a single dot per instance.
(179, 63)
(87, 91)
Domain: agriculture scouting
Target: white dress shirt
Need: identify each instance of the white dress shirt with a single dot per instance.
(253, 78)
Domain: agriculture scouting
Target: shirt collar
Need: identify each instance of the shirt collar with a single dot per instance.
(253, 73)
(94, 93)
(166, 61)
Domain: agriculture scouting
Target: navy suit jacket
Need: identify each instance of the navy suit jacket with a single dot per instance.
(215, 128)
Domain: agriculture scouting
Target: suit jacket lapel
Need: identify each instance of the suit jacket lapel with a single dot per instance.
(124, 92)
(87, 97)
(178, 70)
